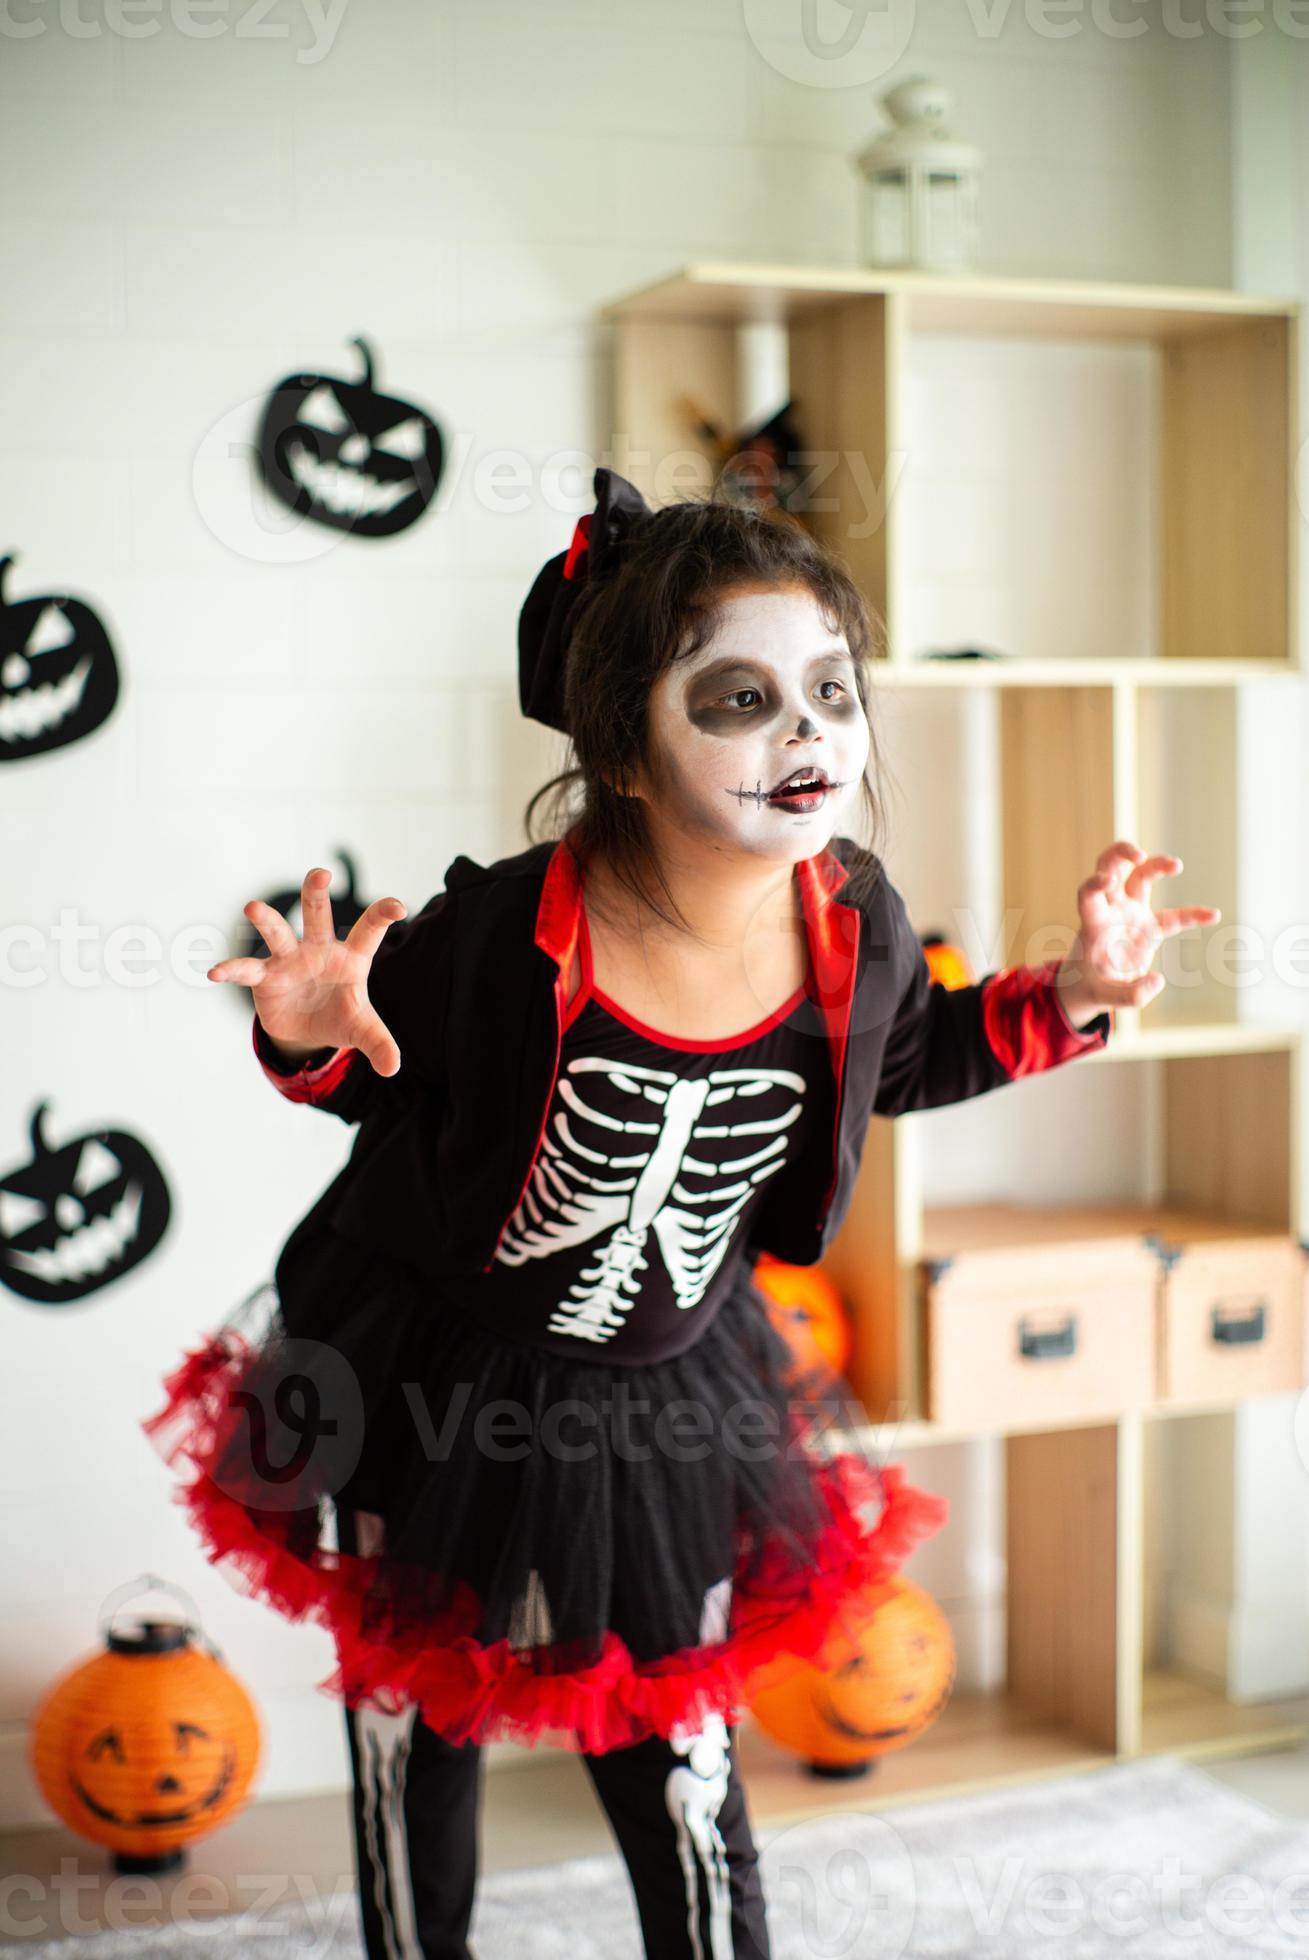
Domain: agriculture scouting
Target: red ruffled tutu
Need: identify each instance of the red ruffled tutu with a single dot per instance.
(578, 1582)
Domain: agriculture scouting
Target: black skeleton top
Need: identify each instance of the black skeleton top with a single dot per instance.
(654, 1153)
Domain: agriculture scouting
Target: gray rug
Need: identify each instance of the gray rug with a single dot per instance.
(1153, 1860)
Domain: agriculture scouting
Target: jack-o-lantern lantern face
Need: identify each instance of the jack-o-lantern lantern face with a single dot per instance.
(146, 1747)
(58, 675)
(843, 1699)
(79, 1214)
(888, 1685)
(340, 453)
(346, 908)
(135, 1781)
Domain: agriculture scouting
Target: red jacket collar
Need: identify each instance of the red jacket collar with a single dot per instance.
(832, 930)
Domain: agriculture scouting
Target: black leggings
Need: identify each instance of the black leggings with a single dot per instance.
(678, 1815)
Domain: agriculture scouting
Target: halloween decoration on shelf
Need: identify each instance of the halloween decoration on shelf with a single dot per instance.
(148, 1745)
(961, 653)
(946, 962)
(759, 470)
(79, 1214)
(346, 906)
(341, 453)
(58, 674)
(839, 1717)
(919, 201)
(810, 1315)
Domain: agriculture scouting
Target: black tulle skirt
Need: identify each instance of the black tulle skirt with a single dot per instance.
(543, 1548)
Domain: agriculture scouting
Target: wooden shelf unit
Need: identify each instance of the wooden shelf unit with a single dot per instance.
(1085, 743)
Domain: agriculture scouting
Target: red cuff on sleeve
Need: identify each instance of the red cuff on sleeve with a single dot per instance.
(1023, 1014)
(304, 1084)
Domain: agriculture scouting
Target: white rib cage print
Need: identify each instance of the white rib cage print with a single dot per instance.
(633, 1151)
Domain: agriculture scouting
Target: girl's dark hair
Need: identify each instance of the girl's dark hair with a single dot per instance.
(661, 604)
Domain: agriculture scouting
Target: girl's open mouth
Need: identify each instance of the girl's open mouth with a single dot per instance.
(802, 791)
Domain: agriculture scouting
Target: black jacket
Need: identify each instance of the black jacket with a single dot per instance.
(474, 986)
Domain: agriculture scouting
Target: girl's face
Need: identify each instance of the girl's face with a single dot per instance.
(769, 698)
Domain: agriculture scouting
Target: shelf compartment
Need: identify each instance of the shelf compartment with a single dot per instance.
(1188, 798)
(1183, 1717)
(980, 1741)
(1178, 460)
(1230, 1136)
(1058, 1706)
(1201, 1592)
(1035, 1726)
(844, 368)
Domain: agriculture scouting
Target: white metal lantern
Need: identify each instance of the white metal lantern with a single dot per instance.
(919, 204)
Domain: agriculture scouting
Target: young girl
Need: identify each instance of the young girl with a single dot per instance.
(510, 1420)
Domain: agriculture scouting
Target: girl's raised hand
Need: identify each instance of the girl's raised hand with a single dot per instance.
(1108, 962)
(313, 992)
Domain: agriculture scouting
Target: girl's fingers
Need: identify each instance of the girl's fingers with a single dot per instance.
(371, 1035)
(365, 935)
(1115, 855)
(1093, 898)
(1161, 866)
(1178, 917)
(316, 905)
(247, 971)
(272, 927)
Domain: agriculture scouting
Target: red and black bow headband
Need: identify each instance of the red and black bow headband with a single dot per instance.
(546, 620)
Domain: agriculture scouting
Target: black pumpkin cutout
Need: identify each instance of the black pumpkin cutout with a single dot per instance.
(79, 1214)
(346, 456)
(58, 674)
(346, 907)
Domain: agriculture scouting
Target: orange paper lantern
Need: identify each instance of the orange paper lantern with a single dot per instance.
(891, 1688)
(809, 1314)
(147, 1746)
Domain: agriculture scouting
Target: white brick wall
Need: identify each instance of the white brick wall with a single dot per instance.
(185, 221)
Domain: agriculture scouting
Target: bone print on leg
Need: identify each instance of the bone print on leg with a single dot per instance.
(694, 1793)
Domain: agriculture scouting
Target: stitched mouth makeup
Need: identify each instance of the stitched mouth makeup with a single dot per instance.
(800, 794)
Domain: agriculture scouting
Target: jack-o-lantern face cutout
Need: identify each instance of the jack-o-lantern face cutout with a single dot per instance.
(346, 908)
(889, 1685)
(58, 674)
(79, 1215)
(191, 1773)
(339, 452)
(856, 1707)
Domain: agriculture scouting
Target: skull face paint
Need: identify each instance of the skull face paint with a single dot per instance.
(771, 696)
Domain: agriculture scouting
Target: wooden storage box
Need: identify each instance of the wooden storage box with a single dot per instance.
(1231, 1310)
(1035, 1316)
